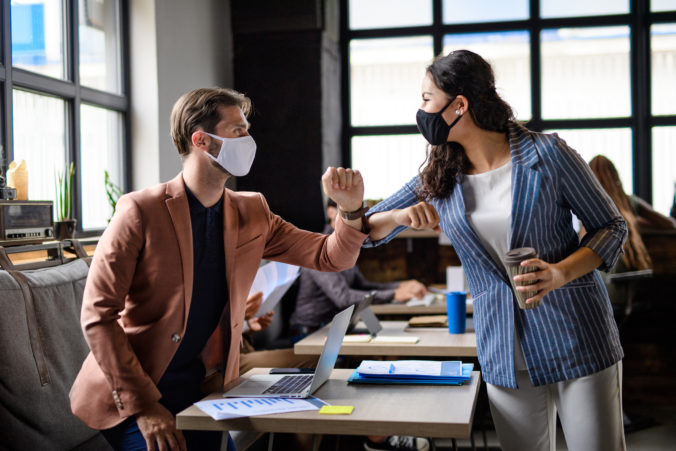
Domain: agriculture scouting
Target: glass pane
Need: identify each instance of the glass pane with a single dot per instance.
(662, 5)
(385, 79)
(462, 11)
(100, 45)
(509, 54)
(585, 72)
(613, 143)
(101, 144)
(37, 36)
(387, 162)
(389, 13)
(39, 128)
(663, 60)
(664, 168)
(574, 8)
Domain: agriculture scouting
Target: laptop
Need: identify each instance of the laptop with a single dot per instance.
(298, 385)
(364, 313)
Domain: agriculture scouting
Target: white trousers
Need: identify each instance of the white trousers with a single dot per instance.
(590, 410)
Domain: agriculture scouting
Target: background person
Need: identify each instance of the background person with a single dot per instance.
(491, 185)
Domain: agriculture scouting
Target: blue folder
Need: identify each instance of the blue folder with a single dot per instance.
(467, 368)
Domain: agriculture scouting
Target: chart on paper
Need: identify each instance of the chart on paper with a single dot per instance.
(246, 407)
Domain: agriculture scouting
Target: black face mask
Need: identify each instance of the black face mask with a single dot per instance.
(433, 126)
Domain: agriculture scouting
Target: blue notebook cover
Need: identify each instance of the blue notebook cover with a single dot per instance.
(467, 368)
(452, 369)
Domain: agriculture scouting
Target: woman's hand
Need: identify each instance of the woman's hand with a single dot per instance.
(549, 277)
(419, 216)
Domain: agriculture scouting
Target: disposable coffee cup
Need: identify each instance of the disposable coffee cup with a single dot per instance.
(512, 260)
(456, 308)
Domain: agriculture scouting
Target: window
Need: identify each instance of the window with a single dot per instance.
(65, 100)
(600, 74)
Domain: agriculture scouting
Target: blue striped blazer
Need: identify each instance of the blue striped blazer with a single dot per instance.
(573, 334)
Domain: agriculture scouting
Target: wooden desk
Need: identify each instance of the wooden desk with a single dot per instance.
(434, 342)
(418, 410)
(401, 309)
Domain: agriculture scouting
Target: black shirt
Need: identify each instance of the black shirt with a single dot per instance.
(209, 292)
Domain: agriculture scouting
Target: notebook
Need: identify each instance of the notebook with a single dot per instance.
(298, 385)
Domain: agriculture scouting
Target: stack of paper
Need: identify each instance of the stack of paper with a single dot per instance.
(451, 372)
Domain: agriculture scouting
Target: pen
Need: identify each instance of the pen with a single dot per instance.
(436, 290)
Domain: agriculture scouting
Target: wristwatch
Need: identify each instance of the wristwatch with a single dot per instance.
(352, 215)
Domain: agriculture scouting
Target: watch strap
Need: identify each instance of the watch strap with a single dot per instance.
(352, 215)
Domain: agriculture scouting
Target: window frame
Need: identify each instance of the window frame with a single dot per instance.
(71, 91)
(639, 19)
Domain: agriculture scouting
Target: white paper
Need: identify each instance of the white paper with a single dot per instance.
(426, 300)
(374, 367)
(455, 279)
(222, 409)
(273, 279)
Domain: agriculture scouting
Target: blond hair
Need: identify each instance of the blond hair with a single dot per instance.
(199, 108)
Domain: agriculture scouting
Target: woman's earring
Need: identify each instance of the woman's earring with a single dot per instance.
(457, 112)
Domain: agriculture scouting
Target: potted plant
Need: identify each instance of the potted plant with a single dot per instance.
(113, 192)
(64, 226)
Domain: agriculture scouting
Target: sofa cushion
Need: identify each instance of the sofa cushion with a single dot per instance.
(42, 350)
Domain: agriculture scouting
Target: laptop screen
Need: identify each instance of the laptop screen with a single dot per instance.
(331, 348)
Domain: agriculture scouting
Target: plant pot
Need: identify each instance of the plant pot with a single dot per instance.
(64, 230)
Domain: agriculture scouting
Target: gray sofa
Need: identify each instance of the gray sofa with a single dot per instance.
(41, 351)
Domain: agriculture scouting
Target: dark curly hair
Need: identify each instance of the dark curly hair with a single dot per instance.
(461, 72)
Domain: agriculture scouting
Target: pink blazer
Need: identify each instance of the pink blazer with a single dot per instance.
(137, 298)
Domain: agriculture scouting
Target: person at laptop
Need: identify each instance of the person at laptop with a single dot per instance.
(176, 261)
(322, 294)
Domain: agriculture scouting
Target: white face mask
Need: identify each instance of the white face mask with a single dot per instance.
(236, 155)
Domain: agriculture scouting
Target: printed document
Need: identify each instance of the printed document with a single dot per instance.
(223, 409)
(273, 279)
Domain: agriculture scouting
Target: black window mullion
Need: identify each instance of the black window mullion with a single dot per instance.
(74, 125)
(104, 99)
(437, 29)
(345, 82)
(6, 153)
(535, 67)
(640, 96)
(125, 73)
(32, 81)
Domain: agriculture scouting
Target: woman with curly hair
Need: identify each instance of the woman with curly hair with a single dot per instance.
(492, 185)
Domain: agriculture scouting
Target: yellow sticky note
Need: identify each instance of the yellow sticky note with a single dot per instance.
(336, 410)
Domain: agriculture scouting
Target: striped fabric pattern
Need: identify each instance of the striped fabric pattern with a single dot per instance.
(573, 334)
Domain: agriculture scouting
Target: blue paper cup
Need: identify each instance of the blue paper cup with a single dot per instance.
(456, 310)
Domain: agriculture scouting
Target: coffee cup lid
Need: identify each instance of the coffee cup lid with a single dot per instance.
(519, 254)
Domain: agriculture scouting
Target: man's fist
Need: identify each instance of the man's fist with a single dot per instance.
(345, 187)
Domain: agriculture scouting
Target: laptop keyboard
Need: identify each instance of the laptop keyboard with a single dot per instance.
(290, 384)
